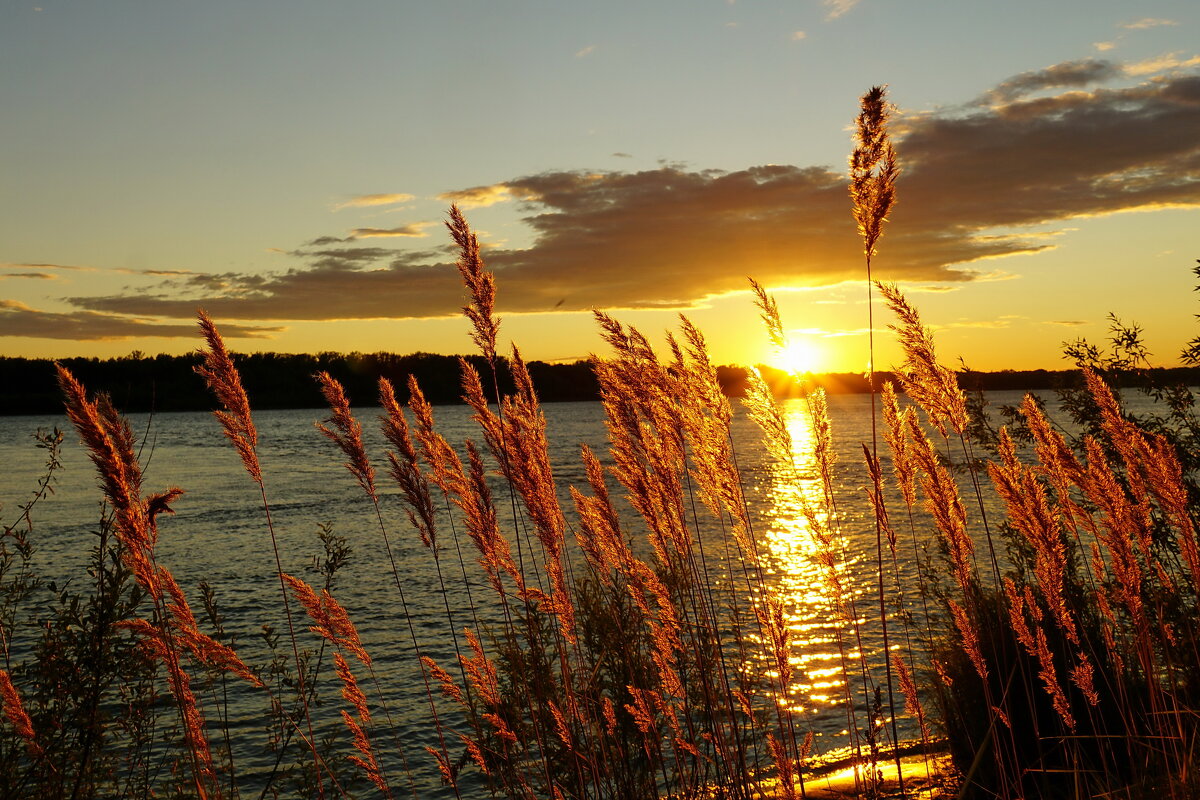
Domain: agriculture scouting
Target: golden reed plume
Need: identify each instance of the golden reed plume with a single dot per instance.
(225, 382)
(346, 432)
(873, 168)
(479, 282)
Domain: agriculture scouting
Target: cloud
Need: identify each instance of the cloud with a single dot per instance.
(798, 35)
(1050, 159)
(168, 273)
(171, 272)
(976, 183)
(414, 230)
(585, 52)
(1067, 75)
(838, 8)
(1070, 323)
(844, 332)
(369, 200)
(1104, 47)
(43, 276)
(1171, 62)
(38, 270)
(18, 319)
(478, 196)
(986, 324)
(622, 155)
(1147, 22)
(66, 267)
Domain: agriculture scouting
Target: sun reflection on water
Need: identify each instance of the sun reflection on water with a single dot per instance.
(792, 561)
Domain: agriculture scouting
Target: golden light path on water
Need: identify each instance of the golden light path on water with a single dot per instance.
(822, 640)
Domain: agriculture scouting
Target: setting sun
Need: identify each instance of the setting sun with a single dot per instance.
(799, 357)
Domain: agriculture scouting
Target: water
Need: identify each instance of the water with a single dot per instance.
(218, 534)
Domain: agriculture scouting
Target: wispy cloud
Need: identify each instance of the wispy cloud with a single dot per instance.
(843, 332)
(19, 319)
(44, 266)
(1170, 62)
(1067, 75)
(585, 52)
(415, 230)
(369, 200)
(1070, 323)
(43, 276)
(798, 35)
(973, 180)
(478, 196)
(164, 273)
(1148, 22)
(1104, 47)
(838, 8)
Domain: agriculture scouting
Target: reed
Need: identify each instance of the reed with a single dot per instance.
(629, 636)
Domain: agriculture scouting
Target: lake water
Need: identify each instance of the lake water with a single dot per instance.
(218, 534)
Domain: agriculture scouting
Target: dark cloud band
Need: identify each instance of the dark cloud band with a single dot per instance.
(18, 319)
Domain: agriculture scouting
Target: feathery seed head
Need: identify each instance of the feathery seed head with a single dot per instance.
(14, 711)
(345, 431)
(479, 282)
(873, 168)
(928, 383)
(225, 382)
(770, 314)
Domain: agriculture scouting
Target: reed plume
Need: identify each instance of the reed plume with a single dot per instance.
(110, 444)
(345, 431)
(912, 697)
(896, 435)
(928, 383)
(330, 620)
(517, 439)
(873, 168)
(405, 468)
(1030, 514)
(769, 312)
(480, 283)
(225, 382)
(358, 725)
(13, 710)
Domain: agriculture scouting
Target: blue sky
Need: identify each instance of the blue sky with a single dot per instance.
(286, 165)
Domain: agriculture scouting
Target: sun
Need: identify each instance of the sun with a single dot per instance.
(800, 357)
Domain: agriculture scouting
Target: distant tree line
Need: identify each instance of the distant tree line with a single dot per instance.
(272, 380)
(137, 382)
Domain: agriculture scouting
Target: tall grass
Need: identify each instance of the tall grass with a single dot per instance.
(631, 641)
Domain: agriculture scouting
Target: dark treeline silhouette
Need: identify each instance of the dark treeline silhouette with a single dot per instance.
(1027, 380)
(272, 380)
(280, 380)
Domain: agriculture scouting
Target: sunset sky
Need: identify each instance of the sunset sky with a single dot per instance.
(287, 165)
